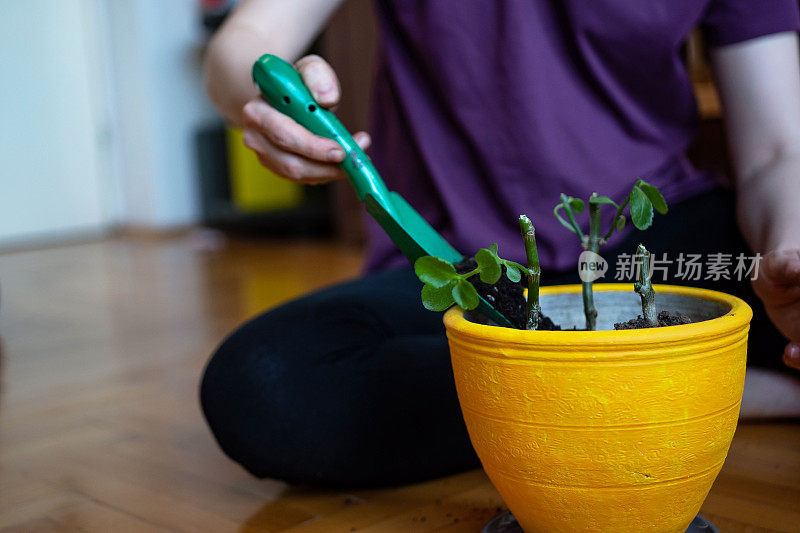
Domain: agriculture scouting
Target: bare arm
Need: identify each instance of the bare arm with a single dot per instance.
(759, 82)
(281, 27)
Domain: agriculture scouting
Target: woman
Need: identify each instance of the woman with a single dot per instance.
(482, 111)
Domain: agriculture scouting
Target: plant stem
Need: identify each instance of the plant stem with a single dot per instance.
(616, 217)
(644, 288)
(592, 245)
(468, 275)
(534, 272)
(571, 216)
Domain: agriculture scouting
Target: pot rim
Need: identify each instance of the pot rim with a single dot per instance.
(737, 318)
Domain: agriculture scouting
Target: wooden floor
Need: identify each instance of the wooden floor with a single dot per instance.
(100, 430)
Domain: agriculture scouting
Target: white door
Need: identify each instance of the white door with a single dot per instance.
(53, 156)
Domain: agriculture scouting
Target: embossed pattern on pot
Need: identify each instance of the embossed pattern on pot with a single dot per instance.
(604, 430)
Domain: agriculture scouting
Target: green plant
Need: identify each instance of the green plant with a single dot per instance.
(534, 310)
(642, 201)
(644, 288)
(444, 286)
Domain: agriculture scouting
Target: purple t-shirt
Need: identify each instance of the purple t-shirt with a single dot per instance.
(486, 109)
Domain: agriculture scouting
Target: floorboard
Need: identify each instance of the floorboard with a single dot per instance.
(101, 350)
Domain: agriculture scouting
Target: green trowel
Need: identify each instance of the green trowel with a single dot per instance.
(282, 87)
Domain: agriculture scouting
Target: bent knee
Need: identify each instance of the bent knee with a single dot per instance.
(237, 394)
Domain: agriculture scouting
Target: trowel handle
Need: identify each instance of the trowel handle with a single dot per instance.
(281, 86)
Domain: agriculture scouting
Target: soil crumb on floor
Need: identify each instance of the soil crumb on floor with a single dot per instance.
(665, 318)
(505, 295)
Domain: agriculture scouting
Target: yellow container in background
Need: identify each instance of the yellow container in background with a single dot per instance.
(253, 187)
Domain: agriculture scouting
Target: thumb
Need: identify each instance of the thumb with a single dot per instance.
(320, 79)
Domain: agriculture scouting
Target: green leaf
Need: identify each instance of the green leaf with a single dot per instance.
(491, 276)
(576, 204)
(465, 294)
(641, 209)
(434, 271)
(620, 223)
(489, 265)
(488, 255)
(655, 197)
(602, 200)
(513, 273)
(437, 298)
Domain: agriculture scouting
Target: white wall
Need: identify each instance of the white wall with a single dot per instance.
(99, 102)
(159, 102)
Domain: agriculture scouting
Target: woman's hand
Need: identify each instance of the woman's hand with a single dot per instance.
(287, 148)
(778, 286)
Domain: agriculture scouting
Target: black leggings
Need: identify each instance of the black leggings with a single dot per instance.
(352, 385)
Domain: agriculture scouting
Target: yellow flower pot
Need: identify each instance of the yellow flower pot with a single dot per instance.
(601, 431)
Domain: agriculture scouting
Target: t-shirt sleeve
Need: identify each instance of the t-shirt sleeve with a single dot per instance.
(732, 21)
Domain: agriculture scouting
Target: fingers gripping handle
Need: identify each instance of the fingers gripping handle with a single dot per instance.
(281, 86)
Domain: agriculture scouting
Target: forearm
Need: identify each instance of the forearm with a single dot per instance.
(281, 27)
(230, 57)
(759, 82)
(767, 204)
